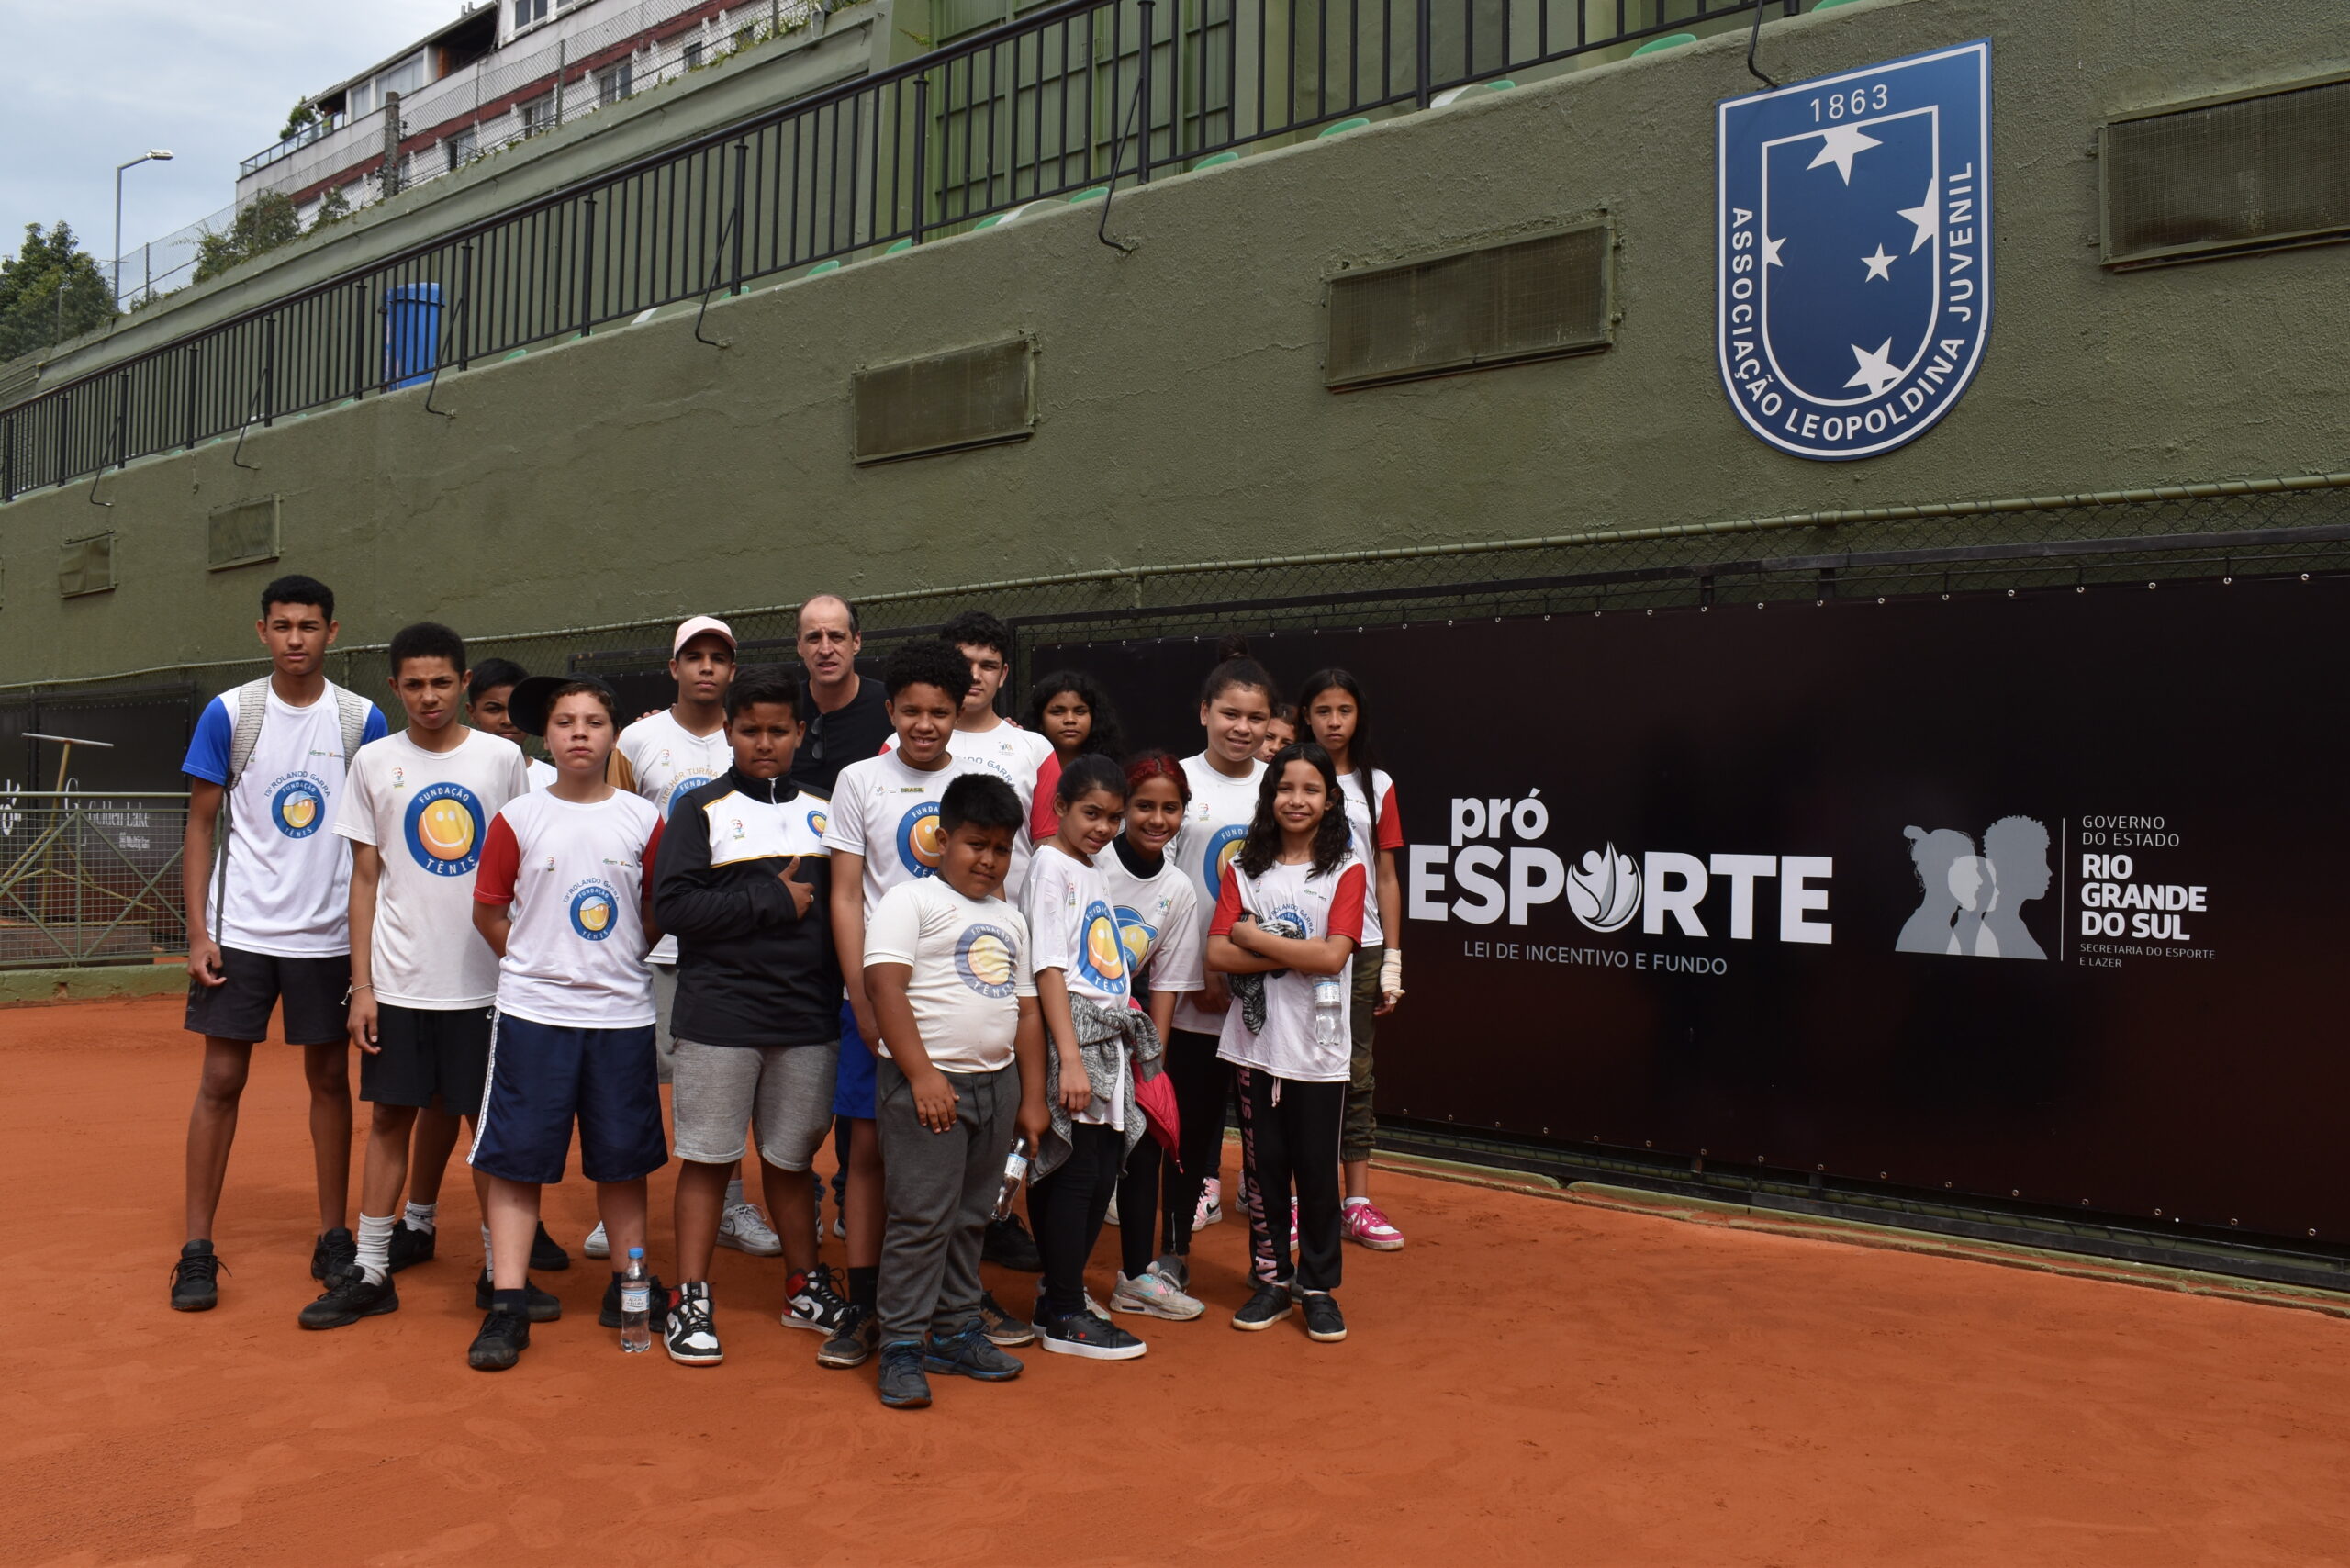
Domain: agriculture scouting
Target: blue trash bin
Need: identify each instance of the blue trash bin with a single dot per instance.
(412, 333)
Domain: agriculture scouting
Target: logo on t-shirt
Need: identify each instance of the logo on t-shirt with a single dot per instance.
(817, 823)
(921, 840)
(1289, 919)
(1136, 934)
(298, 806)
(443, 827)
(680, 789)
(1100, 956)
(984, 959)
(1222, 847)
(593, 905)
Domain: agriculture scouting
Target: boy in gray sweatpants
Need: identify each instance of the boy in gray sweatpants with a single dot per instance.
(960, 1076)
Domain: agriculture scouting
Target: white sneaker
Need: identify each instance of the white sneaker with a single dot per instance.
(1111, 1218)
(1154, 1296)
(745, 1230)
(1210, 1209)
(597, 1244)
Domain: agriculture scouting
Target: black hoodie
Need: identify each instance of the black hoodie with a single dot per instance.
(751, 969)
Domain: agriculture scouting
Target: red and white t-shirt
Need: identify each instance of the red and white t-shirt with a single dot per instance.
(1372, 833)
(575, 874)
(1329, 905)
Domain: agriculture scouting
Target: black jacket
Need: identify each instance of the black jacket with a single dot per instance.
(751, 971)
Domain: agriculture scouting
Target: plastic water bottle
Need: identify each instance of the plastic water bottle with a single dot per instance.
(636, 1304)
(1329, 1010)
(1015, 1172)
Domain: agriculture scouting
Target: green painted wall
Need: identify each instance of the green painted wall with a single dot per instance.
(1180, 410)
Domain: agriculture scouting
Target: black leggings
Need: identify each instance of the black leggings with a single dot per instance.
(1138, 1221)
(1203, 1087)
(1289, 1139)
(1067, 1208)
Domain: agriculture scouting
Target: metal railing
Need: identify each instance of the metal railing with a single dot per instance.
(90, 880)
(1077, 94)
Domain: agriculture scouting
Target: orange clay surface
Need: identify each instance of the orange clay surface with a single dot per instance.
(1531, 1382)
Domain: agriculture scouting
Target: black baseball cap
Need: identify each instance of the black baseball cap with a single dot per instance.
(532, 695)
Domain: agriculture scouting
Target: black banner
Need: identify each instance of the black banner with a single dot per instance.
(2032, 898)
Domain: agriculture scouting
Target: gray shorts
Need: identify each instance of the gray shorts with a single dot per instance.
(786, 1091)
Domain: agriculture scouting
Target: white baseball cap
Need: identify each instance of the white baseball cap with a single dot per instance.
(688, 630)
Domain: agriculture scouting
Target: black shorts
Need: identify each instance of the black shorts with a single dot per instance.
(431, 1058)
(316, 992)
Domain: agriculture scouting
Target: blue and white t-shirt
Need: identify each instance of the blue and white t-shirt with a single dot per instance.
(666, 762)
(286, 884)
(971, 965)
(1214, 826)
(887, 812)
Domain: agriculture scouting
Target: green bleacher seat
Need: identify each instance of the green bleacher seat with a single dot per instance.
(1670, 40)
(1215, 161)
(1096, 193)
(1344, 125)
(901, 245)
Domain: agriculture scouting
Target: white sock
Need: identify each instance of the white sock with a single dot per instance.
(1352, 1202)
(485, 1247)
(735, 1194)
(375, 1247)
(422, 1216)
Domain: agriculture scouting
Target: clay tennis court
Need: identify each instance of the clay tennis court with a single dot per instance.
(1532, 1380)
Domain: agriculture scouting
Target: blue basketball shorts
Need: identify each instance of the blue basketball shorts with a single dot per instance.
(544, 1077)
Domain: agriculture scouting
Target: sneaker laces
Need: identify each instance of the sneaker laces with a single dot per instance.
(196, 1266)
(691, 1315)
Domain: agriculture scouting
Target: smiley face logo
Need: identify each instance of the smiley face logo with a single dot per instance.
(1137, 935)
(1102, 958)
(817, 823)
(593, 909)
(443, 829)
(298, 808)
(920, 840)
(1222, 847)
(983, 956)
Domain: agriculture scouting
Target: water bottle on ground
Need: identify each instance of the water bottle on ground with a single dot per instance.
(1329, 1010)
(1015, 1172)
(636, 1304)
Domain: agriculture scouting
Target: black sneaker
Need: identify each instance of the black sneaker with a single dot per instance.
(336, 1254)
(609, 1318)
(968, 1353)
(410, 1245)
(1267, 1307)
(1008, 1245)
(1083, 1334)
(690, 1337)
(1001, 1327)
(852, 1343)
(814, 1303)
(902, 1385)
(1324, 1321)
(348, 1300)
(194, 1287)
(500, 1343)
(547, 1256)
(538, 1306)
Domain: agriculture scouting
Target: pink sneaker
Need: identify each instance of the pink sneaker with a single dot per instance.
(1210, 1209)
(1361, 1221)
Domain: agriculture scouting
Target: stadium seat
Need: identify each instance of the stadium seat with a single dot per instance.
(517, 353)
(1830, 4)
(1454, 94)
(1215, 161)
(1095, 194)
(1670, 40)
(1344, 125)
(901, 245)
(820, 268)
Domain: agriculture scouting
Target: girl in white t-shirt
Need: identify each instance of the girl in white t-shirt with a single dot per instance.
(1091, 1030)
(1286, 927)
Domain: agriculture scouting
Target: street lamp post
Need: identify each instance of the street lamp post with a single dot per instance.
(155, 155)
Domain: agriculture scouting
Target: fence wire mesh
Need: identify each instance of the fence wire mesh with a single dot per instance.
(90, 881)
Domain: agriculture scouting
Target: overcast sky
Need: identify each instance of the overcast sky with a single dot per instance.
(98, 82)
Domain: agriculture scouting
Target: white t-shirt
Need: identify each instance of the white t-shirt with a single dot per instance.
(1214, 823)
(1159, 922)
(576, 876)
(1326, 906)
(428, 814)
(1014, 756)
(542, 772)
(970, 967)
(1072, 928)
(667, 761)
(286, 885)
(1370, 836)
(887, 812)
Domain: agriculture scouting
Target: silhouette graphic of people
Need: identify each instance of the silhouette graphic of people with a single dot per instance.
(1970, 879)
(2017, 848)
(1934, 854)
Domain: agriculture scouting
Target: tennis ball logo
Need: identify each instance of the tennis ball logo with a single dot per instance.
(443, 827)
(984, 957)
(1223, 846)
(593, 912)
(680, 789)
(298, 808)
(818, 823)
(920, 840)
(1104, 959)
(1137, 935)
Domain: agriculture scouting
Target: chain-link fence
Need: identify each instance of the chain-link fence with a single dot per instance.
(87, 880)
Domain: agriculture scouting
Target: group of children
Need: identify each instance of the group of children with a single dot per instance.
(981, 954)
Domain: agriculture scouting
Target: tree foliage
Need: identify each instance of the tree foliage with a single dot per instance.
(51, 290)
(261, 225)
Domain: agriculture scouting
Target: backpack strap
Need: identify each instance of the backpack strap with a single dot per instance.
(352, 711)
(253, 706)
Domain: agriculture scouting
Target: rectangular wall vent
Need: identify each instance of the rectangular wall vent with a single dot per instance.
(1496, 305)
(2254, 173)
(86, 565)
(946, 402)
(242, 534)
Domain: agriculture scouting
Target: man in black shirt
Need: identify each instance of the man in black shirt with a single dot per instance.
(848, 715)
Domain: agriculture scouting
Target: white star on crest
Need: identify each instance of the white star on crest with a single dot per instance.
(1874, 374)
(1923, 215)
(1771, 252)
(1879, 265)
(1839, 146)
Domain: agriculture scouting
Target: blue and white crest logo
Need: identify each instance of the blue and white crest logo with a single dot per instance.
(1853, 274)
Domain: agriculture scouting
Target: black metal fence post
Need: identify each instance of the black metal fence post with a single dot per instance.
(187, 426)
(921, 146)
(1142, 103)
(465, 306)
(1424, 45)
(8, 458)
(741, 175)
(64, 428)
(587, 266)
(269, 373)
